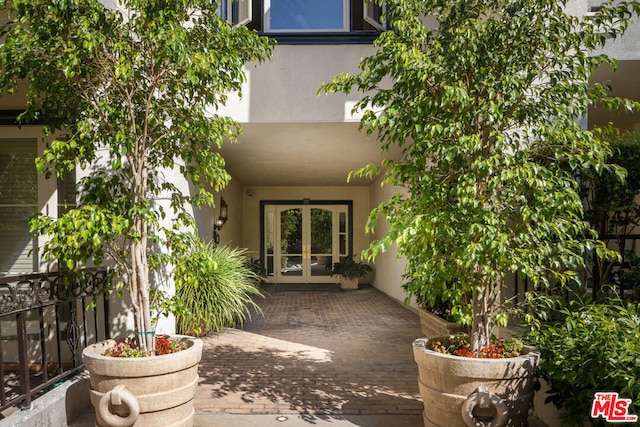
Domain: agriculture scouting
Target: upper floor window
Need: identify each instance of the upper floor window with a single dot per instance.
(306, 18)
(306, 15)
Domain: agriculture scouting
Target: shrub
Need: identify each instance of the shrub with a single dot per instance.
(590, 347)
(214, 288)
(350, 269)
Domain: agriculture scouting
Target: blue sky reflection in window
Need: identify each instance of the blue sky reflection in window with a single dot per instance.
(305, 15)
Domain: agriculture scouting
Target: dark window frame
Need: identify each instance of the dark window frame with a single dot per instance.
(360, 30)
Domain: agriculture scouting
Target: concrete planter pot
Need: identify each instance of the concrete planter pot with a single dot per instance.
(461, 391)
(347, 284)
(435, 326)
(143, 391)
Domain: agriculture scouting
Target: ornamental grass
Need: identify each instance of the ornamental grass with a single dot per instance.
(215, 288)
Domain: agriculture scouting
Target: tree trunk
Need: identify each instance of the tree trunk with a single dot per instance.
(480, 328)
(140, 288)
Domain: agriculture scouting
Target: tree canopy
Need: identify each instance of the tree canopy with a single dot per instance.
(483, 97)
(130, 92)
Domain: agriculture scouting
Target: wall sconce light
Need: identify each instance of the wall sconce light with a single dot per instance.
(219, 222)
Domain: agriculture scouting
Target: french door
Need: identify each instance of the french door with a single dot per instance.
(303, 241)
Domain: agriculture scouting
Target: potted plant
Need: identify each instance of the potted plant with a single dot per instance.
(128, 91)
(215, 288)
(480, 100)
(129, 387)
(349, 272)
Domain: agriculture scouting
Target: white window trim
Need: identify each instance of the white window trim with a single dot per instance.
(346, 21)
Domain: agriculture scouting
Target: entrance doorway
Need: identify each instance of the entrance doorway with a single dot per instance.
(303, 240)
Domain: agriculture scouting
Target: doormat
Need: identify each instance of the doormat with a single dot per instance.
(280, 287)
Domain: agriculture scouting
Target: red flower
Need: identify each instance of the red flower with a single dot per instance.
(128, 348)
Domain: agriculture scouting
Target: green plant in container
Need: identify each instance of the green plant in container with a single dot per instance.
(475, 107)
(127, 91)
(349, 268)
(349, 271)
(215, 287)
(481, 102)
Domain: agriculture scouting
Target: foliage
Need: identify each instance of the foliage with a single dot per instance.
(441, 305)
(481, 99)
(290, 230)
(257, 267)
(215, 287)
(612, 209)
(321, 226)
(129, 348)
(629, 277)
(130, 91)
(458, 345)
(348, 268)
(589, 347)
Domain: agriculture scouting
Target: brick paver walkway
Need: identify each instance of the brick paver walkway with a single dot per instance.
(315, 353)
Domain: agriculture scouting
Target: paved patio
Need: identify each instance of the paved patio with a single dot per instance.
(316, 354)
(316, 357)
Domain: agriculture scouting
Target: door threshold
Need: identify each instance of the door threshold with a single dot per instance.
(278, 287)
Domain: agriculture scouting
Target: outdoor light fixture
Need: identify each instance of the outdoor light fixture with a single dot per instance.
(219, 222)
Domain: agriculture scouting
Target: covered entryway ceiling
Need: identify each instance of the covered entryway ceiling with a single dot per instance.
(323, 153)
(300, 154)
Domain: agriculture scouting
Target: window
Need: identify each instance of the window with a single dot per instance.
(320, 20)
(306, 15)
(18, 201)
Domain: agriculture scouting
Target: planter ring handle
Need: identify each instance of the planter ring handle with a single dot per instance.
(119, 396)
(484, 399)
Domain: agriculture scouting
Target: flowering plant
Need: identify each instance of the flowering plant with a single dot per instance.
(128, 347)
(458, 345)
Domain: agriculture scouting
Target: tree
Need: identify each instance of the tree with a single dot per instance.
(482, 98)
(131, 91)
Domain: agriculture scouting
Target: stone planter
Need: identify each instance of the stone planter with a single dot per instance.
(461, 391)
(143, 391)
(347, 284)
(435, 326)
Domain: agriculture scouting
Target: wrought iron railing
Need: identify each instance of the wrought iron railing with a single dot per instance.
(621, 277)
(624, 276)
(46, 320)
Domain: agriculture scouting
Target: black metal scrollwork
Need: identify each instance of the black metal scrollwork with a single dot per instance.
(27, 291)
(72, 333)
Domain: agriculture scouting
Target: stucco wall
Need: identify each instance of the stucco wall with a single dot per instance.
(231, 232)
(389, 268)
(284, 89)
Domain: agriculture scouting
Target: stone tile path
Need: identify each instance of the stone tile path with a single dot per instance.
(316, 354)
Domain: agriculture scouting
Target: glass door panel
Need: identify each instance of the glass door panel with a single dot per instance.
(321, 237)
(301, 242)
(291, 242)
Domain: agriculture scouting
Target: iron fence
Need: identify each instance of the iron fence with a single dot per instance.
(46, 320)
(620, 277)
